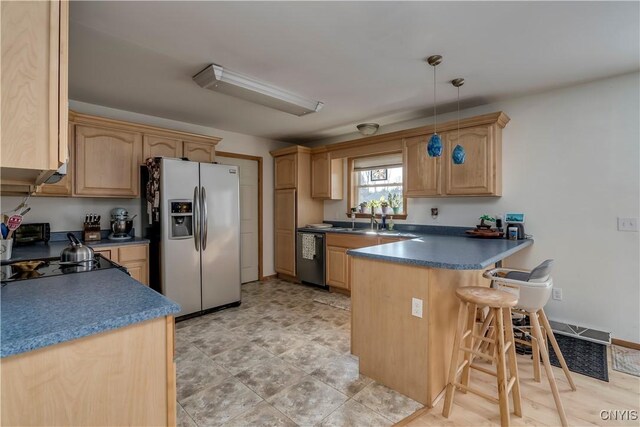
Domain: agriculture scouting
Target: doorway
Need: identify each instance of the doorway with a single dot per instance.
(250, 168)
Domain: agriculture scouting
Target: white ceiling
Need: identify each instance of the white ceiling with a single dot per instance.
(364, 60)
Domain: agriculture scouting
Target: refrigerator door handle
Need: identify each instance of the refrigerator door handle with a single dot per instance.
(196, 217)
(205, 219)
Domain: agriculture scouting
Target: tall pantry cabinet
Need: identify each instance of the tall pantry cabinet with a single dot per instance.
(293, 205)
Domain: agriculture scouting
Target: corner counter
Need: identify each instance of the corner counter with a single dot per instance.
(408, 353)
(93, 348)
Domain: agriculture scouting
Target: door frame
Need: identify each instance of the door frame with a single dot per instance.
(260, 217)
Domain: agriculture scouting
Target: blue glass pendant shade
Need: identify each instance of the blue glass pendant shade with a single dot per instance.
(434, 147)
(458, 155)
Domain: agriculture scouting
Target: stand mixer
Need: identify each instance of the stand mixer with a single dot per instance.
(121, 224)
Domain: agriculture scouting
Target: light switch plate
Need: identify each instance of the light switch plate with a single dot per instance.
(627, 224)
(416, 307)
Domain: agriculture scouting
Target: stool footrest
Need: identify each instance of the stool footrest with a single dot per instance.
(510, 384)
(483, 369)
(506, 347)
(477, 392)
(485, 339)
(477, 353)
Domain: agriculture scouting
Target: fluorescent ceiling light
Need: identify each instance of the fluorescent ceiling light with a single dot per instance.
(215, 77)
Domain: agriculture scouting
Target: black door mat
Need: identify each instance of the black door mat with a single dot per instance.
(584, 357)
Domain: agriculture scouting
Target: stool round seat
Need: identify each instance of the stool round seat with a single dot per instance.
(487, 297)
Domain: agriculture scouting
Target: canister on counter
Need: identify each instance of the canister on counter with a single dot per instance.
(513, 233)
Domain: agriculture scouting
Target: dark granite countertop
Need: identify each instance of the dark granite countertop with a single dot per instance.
(54, 248)
(41, 312)
(429, 245)
(441, 251)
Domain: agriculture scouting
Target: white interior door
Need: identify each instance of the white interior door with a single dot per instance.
(248, 216)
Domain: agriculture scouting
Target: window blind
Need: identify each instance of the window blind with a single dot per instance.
(385, 161)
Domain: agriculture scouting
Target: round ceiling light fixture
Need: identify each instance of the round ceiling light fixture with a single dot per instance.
(368, 129)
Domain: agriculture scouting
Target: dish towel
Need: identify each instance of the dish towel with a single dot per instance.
(308, 246)
(153, 189)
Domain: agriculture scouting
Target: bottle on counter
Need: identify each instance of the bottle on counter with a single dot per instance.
(390, 225)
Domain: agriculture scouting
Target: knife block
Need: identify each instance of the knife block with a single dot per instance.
(91, 231)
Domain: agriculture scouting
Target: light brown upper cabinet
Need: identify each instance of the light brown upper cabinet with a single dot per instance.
(34, 101)
(327, 177)
(480, 174)
(199, 152)
(286, 171)
(160, 146)
(64, 187)
(421, 172)
(106, 162)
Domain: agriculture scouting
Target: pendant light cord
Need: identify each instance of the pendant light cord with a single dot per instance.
(435, 116)
(458, 114)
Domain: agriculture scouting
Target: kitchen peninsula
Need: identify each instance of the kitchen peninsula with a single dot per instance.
(92, 348)
(407, 352)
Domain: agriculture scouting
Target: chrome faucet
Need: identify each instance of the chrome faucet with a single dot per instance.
(373, 219)
(353, 220)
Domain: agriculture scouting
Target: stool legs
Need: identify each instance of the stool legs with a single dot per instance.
(448, 401)
(504, 355)
(503, 396)
(537, 333)
(556, 348)
(513, 367)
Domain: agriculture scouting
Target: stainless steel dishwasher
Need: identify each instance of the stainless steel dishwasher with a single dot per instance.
(310, 258)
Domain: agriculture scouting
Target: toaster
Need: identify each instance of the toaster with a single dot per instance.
(32, 233)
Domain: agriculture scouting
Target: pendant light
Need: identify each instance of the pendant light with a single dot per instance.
(434, 147)
(458, 154)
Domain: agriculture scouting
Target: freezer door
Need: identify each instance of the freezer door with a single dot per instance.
(220, 230)
(180, 257)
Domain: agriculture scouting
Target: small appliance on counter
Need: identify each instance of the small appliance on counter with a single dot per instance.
(121, 224)
(32, 233)
(515, 220)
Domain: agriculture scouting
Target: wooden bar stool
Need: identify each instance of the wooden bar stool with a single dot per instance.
(468, 342)
(533, 290)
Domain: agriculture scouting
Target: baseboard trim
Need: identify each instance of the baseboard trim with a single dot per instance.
(627, 344)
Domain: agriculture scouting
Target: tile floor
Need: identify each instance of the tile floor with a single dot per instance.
(280, 359)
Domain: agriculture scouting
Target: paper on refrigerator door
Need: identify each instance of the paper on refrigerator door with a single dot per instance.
(308, 246)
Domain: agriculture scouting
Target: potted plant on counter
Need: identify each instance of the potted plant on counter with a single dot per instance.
(385, 206)
(395, 201)
(374, 206)
(363, 207)
(482, 224)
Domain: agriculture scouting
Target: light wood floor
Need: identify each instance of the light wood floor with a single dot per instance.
(582, 406)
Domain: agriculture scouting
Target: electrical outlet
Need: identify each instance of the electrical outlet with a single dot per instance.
(416, 307)
(557, 294)
(627, 224)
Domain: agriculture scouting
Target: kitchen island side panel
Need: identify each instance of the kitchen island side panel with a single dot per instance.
(406, 353)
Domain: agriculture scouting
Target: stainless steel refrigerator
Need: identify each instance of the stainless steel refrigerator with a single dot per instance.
(194, 227)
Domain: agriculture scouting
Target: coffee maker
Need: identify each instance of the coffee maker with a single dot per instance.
(515, 220)
(121, 225)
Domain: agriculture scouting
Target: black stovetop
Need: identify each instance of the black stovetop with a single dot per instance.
(54, 267)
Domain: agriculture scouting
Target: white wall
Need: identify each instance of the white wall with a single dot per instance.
(68, 213)
(571, 163)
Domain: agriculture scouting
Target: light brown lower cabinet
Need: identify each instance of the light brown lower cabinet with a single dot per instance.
(337, 267)
(123, 377)
(337, 261)
(135, 258)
